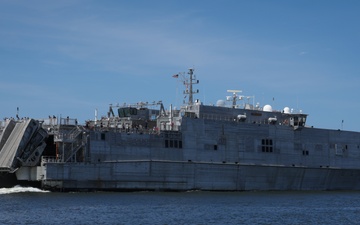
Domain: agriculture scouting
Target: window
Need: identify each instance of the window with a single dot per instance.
(305, 152)
(126, 112)
(173, 143)
(267, 145)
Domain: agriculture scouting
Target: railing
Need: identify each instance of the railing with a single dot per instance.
(217, 117)
(68, 121)
(154, 130)
(70, 142)
(51, 121)
(69, 136)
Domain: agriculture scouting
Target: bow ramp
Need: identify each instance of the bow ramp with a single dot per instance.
(21, 144)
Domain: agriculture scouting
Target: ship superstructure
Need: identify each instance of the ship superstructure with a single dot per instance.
(235, 147)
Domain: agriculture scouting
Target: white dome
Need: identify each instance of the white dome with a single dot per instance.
(287, 110)
(267, 108)
(220, 103)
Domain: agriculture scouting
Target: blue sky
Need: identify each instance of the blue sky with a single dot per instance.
(70, 57)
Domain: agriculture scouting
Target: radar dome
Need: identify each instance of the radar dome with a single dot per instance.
(220, 103)
(267, 108)
(287, 110)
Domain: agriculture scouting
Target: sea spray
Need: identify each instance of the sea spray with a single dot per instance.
(20, 189)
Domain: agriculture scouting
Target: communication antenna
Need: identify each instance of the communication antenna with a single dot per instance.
(234, 97)
(189, 86)
(17, 113)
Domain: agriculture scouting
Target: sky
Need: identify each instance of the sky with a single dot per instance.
(70, 57)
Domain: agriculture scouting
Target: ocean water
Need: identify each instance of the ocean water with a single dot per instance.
(21, 205)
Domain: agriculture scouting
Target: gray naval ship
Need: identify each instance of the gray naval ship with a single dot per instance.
(224, 147)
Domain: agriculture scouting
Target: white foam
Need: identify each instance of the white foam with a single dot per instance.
(19, 189)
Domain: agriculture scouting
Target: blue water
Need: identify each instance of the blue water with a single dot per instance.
(31, 206)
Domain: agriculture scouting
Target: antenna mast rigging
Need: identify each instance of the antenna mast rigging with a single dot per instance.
(189, 86)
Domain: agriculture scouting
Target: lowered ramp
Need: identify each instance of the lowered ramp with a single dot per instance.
(19, 141)
(6, 156)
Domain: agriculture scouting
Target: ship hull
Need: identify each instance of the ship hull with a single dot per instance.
(183, 176)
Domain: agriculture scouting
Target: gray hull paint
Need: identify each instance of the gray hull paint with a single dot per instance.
(215, 155)
(181, 176)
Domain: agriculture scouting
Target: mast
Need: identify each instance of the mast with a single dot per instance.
(189, 86)
(234, 97)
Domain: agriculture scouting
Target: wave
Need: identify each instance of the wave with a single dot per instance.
(19, 189)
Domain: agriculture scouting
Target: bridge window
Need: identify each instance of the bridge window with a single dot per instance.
(126, 112)
(299, 121)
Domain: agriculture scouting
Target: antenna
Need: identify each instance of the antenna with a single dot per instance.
(17, 113)
(96, 115)
(189, 86)
(234, 97)
(234, 91)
